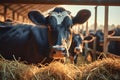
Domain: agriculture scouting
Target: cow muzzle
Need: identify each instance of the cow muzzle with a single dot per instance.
(77, 50)
(58, 48)
(62, 49)
(101, 43)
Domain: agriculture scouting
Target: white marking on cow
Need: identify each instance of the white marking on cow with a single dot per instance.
(60, 16)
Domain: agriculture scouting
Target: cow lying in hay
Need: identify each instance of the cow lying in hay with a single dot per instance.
(36, 43)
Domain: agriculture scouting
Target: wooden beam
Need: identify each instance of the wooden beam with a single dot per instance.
(1, 14)
(5, 12)
(114, 38)
(20, 7)
(8, 6)
(13, 15)
(26, 9)
(73, 2)
(42, 8)
(95, 28)
(17, 17)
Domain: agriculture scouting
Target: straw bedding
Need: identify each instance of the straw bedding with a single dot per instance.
(106, 69)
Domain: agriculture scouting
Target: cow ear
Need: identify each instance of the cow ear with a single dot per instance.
(36, 17)
(88, 39)
(82, 16)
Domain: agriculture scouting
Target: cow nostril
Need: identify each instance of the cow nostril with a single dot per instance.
(77, 49)
(61, 49)
(59, 15)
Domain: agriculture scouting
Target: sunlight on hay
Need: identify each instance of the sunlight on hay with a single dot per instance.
(59, 71)
(13, 70)
(106, 69)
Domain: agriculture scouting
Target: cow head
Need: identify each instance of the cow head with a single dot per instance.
(99, 35)
(78, 41)
(59, 22)
(77, 45)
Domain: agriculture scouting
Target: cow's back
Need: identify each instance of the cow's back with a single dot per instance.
(114, 46)
(25, 41)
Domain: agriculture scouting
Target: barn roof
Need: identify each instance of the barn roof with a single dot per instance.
(22, 7)
(76, 2)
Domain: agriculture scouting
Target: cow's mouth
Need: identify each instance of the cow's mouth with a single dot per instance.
(61, 49)
(77, 50)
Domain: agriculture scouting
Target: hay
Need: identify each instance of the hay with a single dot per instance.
(106, 69)
(59, 71)
(14, 70)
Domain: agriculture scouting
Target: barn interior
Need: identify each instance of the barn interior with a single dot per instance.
(17, 10)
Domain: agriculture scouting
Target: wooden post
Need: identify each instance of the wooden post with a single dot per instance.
(95, 28)
(106, 31)
(23, 19)
(95, 24)
(86, 44)
(13, 15)
(17, 17)
(5, 12)
(86, 28)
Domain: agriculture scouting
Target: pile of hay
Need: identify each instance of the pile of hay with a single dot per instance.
(106, 69)
(14, 70)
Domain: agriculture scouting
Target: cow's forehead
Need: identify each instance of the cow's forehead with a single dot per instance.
(60, 16)
(59, 9)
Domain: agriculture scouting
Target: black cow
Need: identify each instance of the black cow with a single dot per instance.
(99, 40)
(77, 45)
(113, 46)
(60, 22)
(27, 42)
(35, 43)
